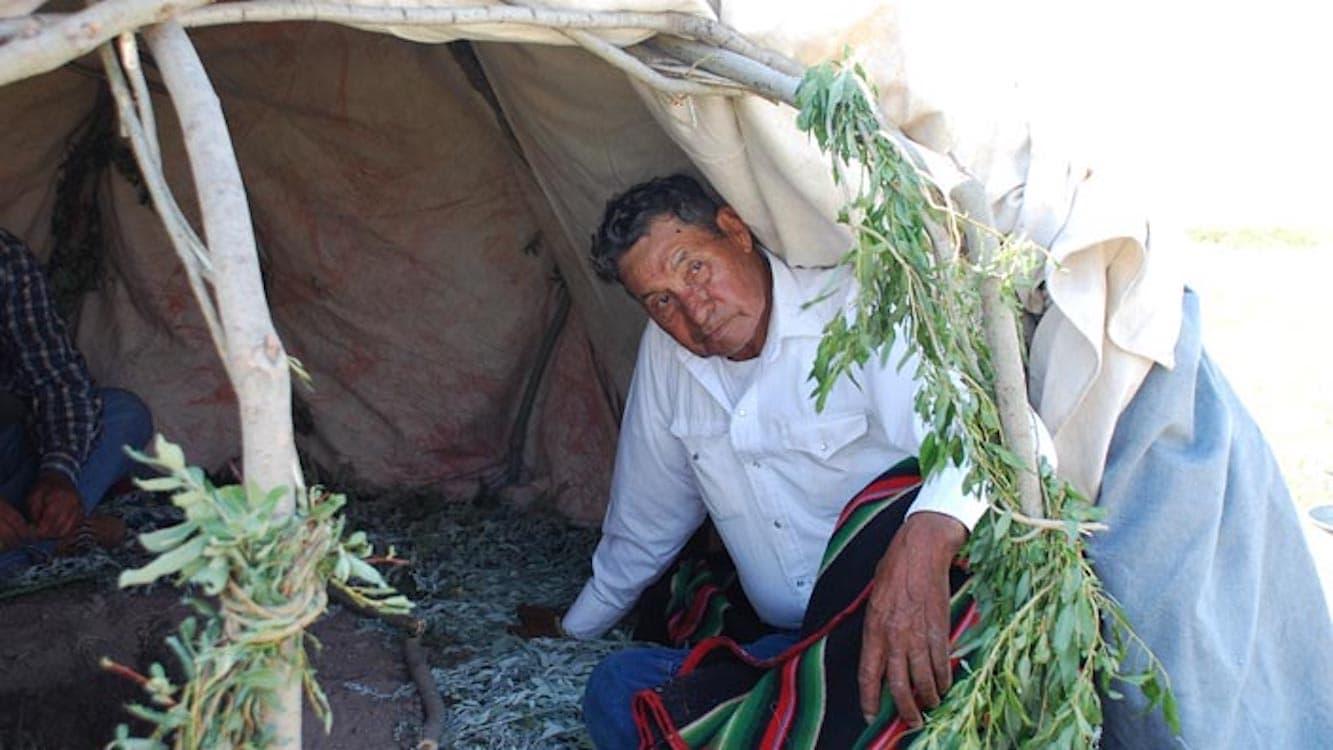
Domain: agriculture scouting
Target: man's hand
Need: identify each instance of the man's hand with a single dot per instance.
(905, 641)
(536, 621)
(14, 528)
(54, 505)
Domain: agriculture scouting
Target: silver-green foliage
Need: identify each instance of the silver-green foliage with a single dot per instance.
(1036, 662)
(267, 577)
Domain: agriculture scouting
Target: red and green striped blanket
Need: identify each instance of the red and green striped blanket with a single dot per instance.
(806, 697)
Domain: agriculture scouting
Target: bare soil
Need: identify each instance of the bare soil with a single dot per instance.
(54, 696)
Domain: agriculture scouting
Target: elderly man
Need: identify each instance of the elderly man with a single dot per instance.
(854, 596)
(719, 424)
(59, 465)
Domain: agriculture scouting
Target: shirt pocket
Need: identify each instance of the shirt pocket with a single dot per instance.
(715, 466)
(821, 438)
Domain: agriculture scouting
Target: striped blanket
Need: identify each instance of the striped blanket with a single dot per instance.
(807, 696)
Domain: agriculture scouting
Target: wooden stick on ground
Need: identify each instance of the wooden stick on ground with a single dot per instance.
(411, 626)
(432, 705)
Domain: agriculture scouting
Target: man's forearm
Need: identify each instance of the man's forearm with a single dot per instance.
(47, 369)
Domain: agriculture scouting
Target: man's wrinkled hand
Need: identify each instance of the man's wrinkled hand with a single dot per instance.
(536, 621)
(14, 528)
(905, 641)
(55, 506)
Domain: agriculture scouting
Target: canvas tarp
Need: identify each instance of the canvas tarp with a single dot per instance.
(955, 90)
(404, 265)
(397, 220)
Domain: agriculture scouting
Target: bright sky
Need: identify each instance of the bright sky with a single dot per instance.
(1223, 107)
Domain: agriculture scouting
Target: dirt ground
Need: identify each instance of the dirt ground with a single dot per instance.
(53, 695)
(472, 563)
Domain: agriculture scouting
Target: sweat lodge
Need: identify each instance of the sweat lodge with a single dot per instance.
(421, 185)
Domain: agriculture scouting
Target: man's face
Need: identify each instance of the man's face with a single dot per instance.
(709, 291)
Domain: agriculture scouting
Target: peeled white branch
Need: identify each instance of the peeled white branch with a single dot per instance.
(37, 48)
(79, 33)
(1001, 331)
(634, 68)
(255, 360)
(183, 239)
(24, 27)
(17, 8)
(663, 63)
(750, 73)
(1048, 524)
(388, 14)
(143, 99)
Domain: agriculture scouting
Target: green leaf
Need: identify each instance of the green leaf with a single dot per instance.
(1069, 584)
(169, 455)
(213, 577)
(165, 564)
(364, 571)
(163, 539)
(158, 484)
(343, 568)
(1064, 628)
(1085, 622)
(1170, 711)
(928, 454)
(1024, 586)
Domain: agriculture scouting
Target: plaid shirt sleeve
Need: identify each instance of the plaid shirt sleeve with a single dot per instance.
(41, 365)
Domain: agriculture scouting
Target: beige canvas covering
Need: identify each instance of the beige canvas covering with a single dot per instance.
(411, 231)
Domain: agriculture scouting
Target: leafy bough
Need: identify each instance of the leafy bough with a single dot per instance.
(268, 579)
(1037, 664)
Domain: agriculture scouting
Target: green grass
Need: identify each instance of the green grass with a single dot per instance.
(1258, 237)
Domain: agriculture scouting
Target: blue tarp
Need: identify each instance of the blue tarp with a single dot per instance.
(1206, 553)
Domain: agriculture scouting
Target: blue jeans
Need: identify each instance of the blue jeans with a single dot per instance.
(614, 681)
(125, 421)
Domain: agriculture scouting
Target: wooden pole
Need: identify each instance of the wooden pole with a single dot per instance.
(38, 44)
(255, 360)
(1001, 332)
(77, 34)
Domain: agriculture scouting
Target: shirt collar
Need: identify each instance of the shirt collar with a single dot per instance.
(790, 317)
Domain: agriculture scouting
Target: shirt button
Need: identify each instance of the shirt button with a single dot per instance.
(740, 412)
(695, 457)
(755, 464)
(802, 583)
(777, 524)
(823, 446)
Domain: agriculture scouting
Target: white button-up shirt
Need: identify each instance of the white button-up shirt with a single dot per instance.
(771, 472)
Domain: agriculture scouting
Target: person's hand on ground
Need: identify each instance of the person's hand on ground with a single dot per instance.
(536, 621)
(905, 641)
(54, 505)
(106, 532)
(14, 528)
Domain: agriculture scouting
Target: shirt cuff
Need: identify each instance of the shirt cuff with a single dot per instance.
(590, 616)
(943, 493)
(63, 464)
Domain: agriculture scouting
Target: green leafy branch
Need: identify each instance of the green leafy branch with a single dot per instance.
(269, 577)
(1037, 658)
